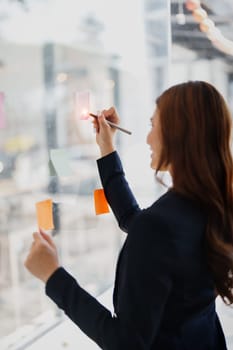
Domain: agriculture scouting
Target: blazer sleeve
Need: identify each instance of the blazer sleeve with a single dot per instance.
(117, 191)
(145, 287)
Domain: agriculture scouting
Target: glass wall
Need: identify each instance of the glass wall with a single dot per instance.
(49, 51)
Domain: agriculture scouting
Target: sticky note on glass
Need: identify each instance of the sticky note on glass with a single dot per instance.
(60, 162)
(2, 111)
(82, 105)
(44, 213)
(52, 171)
(101, 204)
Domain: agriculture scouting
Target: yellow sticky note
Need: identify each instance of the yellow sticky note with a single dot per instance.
(44, 212)
(101, 204)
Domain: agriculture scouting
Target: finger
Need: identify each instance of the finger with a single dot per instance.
(106, 114)
(36, 236)
(26, 261)
(102, 121)
(111, 115)
(95, 124)
(47, 238)
(32, 245)
(93, 121)
(109, 112)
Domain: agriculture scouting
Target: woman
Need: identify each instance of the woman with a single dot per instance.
(178, 254)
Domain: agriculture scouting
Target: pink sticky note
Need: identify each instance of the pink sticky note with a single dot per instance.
(82, 105)
(2, 112)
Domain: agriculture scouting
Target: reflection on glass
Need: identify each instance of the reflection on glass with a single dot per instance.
(49, 50)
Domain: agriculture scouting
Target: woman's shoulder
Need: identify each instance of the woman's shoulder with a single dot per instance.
(176, 206)
(157, 213)
(149, 224)
(172, 213)
(173, 224)
(150, 235)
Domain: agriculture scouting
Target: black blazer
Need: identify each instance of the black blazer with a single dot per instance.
(164, 294)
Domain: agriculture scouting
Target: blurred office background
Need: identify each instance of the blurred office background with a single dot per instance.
(125, 53)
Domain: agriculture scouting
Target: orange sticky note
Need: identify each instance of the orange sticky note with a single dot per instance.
(44, 212)
(101, 204)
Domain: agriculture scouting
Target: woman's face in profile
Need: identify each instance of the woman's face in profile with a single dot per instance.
(154, 139)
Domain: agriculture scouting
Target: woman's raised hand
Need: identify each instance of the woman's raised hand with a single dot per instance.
(42, 260)
(104, 132)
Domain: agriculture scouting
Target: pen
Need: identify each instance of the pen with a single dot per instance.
(113, 124)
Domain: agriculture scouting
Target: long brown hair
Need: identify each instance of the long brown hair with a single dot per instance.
(196, 134)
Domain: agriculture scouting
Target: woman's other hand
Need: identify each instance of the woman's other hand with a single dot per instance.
(42, 260)
(105, 133)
